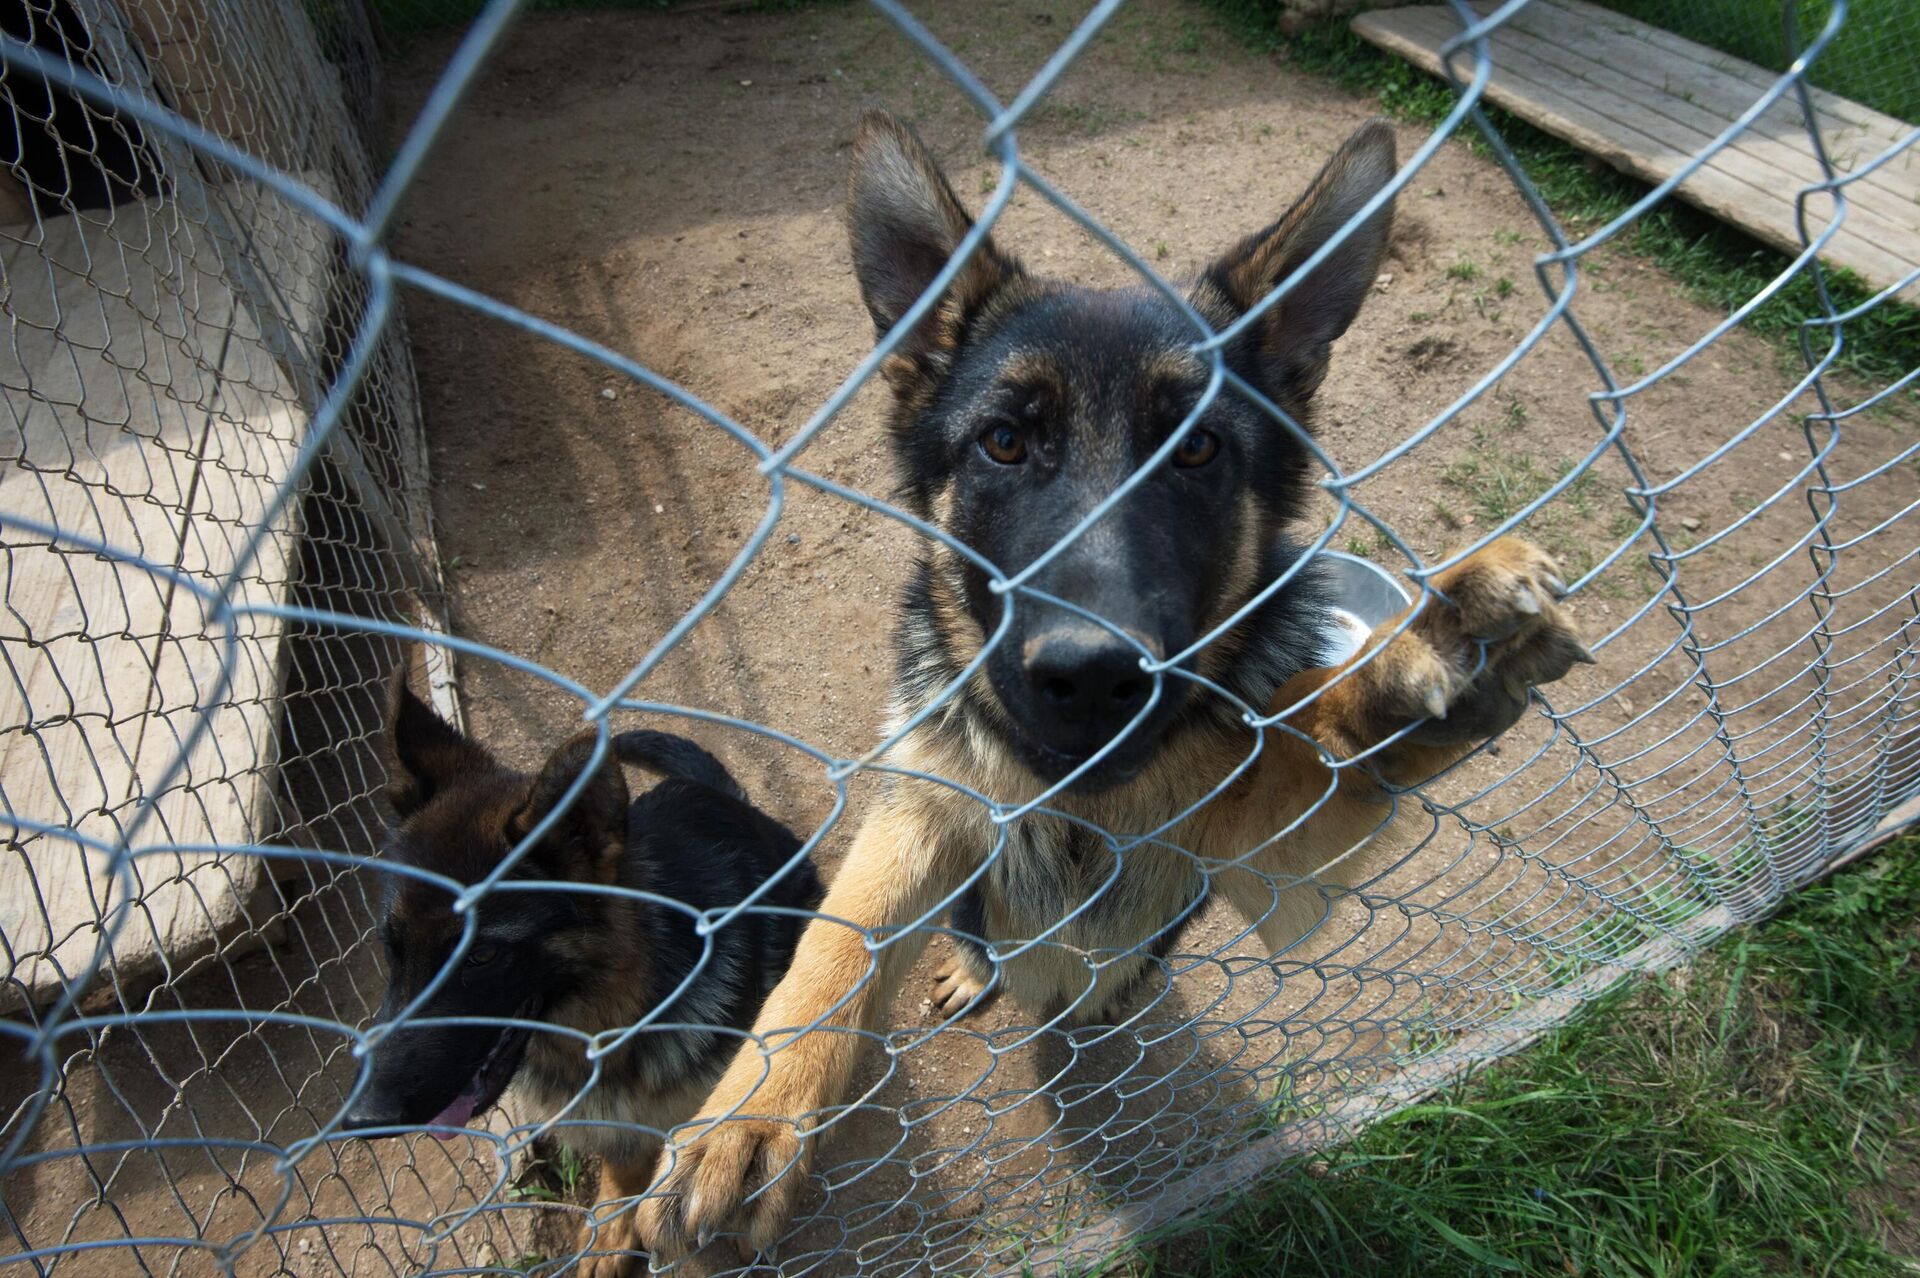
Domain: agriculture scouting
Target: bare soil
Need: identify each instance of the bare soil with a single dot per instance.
(668, 185)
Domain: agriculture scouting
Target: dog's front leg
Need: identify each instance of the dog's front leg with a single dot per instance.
(751, 1140)
(1452, 674)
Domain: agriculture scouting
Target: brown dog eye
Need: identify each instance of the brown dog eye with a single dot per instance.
(481, 955)
(1005, 443)
(1197, 449)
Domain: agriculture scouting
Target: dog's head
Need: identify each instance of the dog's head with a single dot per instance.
(460, 813)
(1023, 403)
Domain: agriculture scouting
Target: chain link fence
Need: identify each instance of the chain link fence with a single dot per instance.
(219, 549)
(1867, 60)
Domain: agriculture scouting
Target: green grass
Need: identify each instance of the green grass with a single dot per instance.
(1870, 60)
(1496, 478)
(1715, 264)
(1368, 542)
(554, 1177)
(1736, 1117)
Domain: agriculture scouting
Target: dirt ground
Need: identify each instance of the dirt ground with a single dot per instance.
(669, 185)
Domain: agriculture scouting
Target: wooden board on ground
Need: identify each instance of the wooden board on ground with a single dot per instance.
(149, 419)
(1647, 101)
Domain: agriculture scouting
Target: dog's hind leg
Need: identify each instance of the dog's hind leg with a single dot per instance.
(957, 986)
(963, 983)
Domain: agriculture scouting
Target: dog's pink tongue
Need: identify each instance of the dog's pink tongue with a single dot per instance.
(454, 1115)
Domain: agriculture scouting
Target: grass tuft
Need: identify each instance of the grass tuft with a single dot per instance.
(1741, 1116)
(1870, 60)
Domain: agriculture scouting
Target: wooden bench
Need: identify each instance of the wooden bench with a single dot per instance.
(1647, 101)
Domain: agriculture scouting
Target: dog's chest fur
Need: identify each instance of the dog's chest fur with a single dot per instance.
(648, 964)
(615, 1121)
(1099, 916)
(653, 1081)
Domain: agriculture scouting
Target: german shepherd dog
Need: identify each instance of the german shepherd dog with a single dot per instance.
(1019, 404)
(589, 962)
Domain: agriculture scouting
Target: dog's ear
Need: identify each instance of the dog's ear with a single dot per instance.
(905, 222)
(591, 834)
(427, 753)
(1294, 338)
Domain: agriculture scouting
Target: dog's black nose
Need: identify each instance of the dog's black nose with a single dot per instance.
(1086, 679)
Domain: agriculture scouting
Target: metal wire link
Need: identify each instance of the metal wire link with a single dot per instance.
(218, 547)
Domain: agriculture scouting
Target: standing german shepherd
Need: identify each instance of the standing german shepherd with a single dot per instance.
(1020, 404)
(590, 961)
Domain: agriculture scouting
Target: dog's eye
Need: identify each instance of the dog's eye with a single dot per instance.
(482, 955)
(1005, 443)
(1197, 449)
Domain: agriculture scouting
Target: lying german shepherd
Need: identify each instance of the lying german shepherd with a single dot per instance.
(588, 961)
(1021, 403)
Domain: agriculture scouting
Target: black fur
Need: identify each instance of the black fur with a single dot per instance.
(592, 961)
(1023, 404)
(676, 757)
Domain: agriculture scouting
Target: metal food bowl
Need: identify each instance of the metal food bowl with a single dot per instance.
(1364, 596)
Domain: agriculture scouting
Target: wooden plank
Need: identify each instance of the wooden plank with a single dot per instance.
(1830, 106)
(1700, 96)
(198, 52)
(1591, 90)
(1692, 73)
(1618, 118)
(99, 456)
(292, 316)
(16, 201)
(223, 794)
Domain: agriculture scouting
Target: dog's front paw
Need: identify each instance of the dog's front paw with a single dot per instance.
(1466, 664)
(706, 1184)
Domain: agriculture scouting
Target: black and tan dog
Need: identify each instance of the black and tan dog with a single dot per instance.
(1020, 404)
(589, 961)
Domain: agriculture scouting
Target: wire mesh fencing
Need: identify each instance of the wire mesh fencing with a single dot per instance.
(219, 552)
(1863, 62)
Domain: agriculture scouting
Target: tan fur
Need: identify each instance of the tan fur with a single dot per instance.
(1098, 903)
(1239, 583)
(460, 812)
(614, 1228)
(898, 867)
(924, 839)
(1263, 260)
(1034, 371)
(607, 1116)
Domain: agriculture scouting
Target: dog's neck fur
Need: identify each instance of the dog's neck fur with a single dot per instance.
(1283, 637)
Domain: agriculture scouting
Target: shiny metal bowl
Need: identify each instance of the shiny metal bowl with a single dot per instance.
(1364, 596)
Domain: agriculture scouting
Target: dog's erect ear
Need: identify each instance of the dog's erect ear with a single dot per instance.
(427, 753)
(1295, 336)
(905, 222)
(592, 833)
